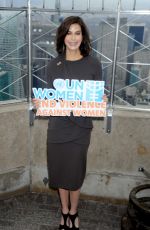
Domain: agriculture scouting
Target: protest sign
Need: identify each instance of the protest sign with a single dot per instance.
(77, 97)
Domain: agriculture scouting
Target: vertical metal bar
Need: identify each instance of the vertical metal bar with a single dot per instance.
(29, 89)
(57, 4)
(29, 54)
(72, 4)
(11, 3)
(110, 104)
(134, 5)
(88, 5)
(115, 55)
(43, 4)
(102, 4)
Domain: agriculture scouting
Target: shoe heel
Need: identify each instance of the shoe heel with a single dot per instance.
(72, 219)
(64, 226)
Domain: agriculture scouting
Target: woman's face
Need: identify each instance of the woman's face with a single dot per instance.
(73, 38)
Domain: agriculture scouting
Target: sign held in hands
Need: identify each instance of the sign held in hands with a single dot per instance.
(77, 97)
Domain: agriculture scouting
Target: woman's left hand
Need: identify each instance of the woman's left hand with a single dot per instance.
(105, 98)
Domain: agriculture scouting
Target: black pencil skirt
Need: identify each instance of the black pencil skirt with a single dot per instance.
(66, 164)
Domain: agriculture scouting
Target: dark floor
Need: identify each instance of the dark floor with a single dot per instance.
(42, 212)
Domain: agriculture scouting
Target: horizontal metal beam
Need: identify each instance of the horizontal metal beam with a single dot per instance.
(139, 12)
(133, 63)
(100, 11)
(132, 108)
(13, 8)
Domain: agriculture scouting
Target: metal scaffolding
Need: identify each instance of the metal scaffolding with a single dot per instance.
(111, 29)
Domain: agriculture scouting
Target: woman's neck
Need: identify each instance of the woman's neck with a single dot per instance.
(73, 55)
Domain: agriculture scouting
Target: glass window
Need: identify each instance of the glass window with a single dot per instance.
(66, 5)
(135, 5)
(18, 3)
(50, 4)
(37, 3)
(142, 5)
(96, 5)
(44, 27)
(133, 62)
(110, 5)
(127, 4)
(5, 3)
(80, 5)
(15, 3)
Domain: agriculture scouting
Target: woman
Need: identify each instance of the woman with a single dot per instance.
(69, 137)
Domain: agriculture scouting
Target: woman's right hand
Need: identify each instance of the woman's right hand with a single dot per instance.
(36, 103)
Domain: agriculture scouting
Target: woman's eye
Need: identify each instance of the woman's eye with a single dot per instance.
(77, 33)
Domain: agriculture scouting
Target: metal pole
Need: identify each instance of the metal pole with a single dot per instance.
(43, 4)
(57, 4)
(110, 104)
(29, 90)
(102, 5)
(72, 4)
(11, 3)
(29, 54)
(115, 55)
(134, 6)
(88, 5)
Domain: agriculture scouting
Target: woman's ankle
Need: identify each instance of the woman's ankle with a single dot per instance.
(65, 210)
(73, 211)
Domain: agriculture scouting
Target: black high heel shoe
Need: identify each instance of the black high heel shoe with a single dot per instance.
(65, 218)
(72, 219)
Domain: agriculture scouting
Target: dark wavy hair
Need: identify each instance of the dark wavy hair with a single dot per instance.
(62, 31)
